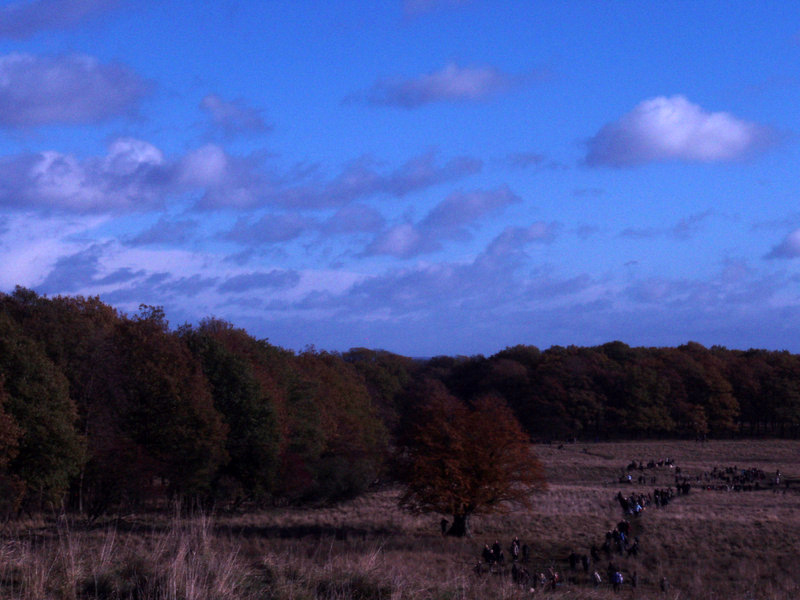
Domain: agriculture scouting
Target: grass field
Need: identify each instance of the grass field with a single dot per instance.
(707, 544)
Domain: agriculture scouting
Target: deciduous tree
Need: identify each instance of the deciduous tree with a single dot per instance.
(464, 460)
(252, 440)
(50, 449)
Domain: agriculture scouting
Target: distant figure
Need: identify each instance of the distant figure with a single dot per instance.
(664, 584)
(520, 575)
(597, 578)
(444, 523)
(497, 551)
(573, 560)
(515, 548)
(617, 580)
(555, 578)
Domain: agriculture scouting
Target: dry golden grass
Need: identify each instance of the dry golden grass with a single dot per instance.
(707, 544)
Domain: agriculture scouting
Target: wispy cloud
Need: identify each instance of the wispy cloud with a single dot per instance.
(276, 278)
(451, 219)
(674, 129)
(509, 248)
(270, 229)
(362, 178)
(74, 272)
(460, 210)
(448, 84)
(491, 283)
(72, 89)
(524, 160)
(788, 248)
(684, 229)
(413, 8)
(402, 241)
(166, 231)
(354, 218)
(24, 18)
(232, 117)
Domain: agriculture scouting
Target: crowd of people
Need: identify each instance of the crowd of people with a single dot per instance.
(645, 475)
(586, 568)
(493, 560)
(619, 543)
(734, 479)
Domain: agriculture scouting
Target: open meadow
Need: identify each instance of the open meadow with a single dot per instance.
(705, 544)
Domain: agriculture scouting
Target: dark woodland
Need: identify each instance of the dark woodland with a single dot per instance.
(102, 411)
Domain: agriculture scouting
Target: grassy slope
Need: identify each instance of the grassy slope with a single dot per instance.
(707, 544)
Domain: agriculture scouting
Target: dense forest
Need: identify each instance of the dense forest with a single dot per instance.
(103, 411)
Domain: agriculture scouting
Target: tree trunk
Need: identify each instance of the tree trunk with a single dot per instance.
(460, 526)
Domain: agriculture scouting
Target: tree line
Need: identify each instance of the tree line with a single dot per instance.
(102, 411)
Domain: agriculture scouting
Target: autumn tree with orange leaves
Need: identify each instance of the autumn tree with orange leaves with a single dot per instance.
(465, 459)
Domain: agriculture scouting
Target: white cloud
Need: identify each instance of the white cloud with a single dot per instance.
(132, 176)
(669, 129)
(127, 155)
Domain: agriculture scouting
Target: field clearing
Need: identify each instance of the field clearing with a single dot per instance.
(707, 544)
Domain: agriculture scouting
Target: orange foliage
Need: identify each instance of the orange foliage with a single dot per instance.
(463, 460)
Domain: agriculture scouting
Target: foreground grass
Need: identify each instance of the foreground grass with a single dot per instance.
(707, 544)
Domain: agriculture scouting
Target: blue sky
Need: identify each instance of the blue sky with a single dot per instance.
(424, 176)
